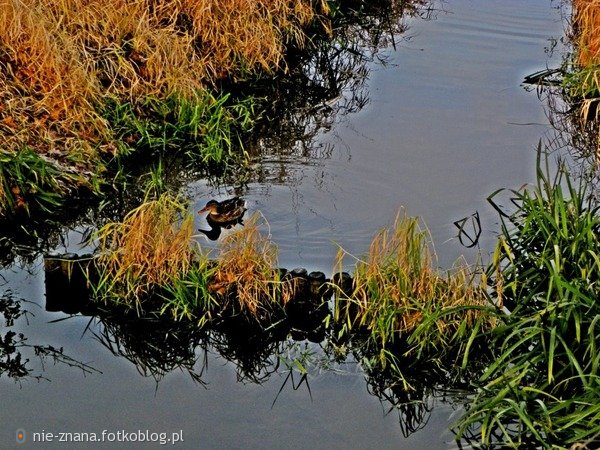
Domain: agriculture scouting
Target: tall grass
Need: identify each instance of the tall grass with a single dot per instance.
(205, 128)
(29, 182)
(150, 262)
(586, 23)
(582, 79)
(62, 58)
(246, 270)
(407, 308)
(544, 387)
(149, 248)
(64, 62)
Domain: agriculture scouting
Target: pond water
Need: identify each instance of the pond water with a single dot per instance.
(447, 123)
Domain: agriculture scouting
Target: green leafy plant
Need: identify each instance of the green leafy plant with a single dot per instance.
(543, 387)
(28, 182)
(204, 128)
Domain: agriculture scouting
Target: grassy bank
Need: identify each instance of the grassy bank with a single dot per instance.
(86, 82)
(543, 388)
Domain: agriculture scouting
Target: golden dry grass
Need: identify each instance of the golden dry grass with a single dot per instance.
(587, 23)
(586, 84)
(153, 247)
(61, 58)
(396, 286)
(247, 260)
(150, 247)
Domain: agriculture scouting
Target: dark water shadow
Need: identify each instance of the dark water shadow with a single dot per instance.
(16, 352)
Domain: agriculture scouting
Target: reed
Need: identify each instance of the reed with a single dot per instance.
(586, 22)
(150, 260)
(246, 270)
(405, 306)
(189, 296)
(149, 248)
(543, 388)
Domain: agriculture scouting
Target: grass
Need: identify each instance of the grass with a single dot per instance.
(582, 79)
(150, 261)
(149, 248)
(543, 388)
(586, 21)
(247, 263)
(28, 181)
(65, 57)
(406, 307)
(83, 81)
(204, 128)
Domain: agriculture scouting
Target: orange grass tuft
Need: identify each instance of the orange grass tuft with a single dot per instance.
(247, 260)
(587, 25)
(396, 286)
(61, 59)
(152, 246)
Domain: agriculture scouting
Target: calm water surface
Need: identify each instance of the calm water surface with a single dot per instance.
(447, 124)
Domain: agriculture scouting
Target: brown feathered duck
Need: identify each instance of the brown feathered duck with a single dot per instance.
(225, 212)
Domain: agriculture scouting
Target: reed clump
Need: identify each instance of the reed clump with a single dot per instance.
(246, 270)
(543, 388)
(150, 260)
(28, 181)
(64, 63)
(403, 303)
(151, 246)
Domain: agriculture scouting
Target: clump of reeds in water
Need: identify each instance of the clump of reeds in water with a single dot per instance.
(398, 296)
(151, 255)
(586, 22)
(246, 268)
(151, 246)
(543, 388)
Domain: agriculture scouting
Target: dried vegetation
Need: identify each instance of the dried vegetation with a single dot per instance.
(149, 248)
(398, 296)
(63, 61)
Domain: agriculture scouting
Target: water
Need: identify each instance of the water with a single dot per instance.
(447, 124)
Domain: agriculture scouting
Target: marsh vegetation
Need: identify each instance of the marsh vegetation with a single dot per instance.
(137, 99)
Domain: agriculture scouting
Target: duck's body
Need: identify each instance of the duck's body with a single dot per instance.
(225, 212)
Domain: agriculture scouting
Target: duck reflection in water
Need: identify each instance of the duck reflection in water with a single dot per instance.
(225, 214)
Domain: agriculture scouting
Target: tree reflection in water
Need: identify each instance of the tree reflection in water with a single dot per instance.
(323, 83)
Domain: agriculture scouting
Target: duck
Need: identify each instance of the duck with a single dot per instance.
(226, 212)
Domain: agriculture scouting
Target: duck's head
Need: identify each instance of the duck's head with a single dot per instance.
(211, 207)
